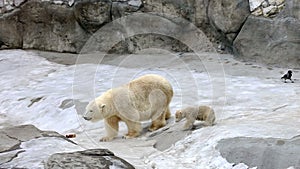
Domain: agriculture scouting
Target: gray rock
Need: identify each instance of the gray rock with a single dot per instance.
(23, 132)
(120, 9)
(292, 9)
(33, 139)
(91, 15)
(271, 41)
(94, 158)
(43, 26)
(1, 3)
(12, 37)
(262, 153)
(8, 143)
(228, 15)
(50, 27)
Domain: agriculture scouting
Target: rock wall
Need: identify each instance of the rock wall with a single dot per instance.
(274, 41)
(65, 25)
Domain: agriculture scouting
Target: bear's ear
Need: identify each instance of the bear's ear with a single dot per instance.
(102, 106)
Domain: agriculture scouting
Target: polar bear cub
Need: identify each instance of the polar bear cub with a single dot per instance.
(202, 113)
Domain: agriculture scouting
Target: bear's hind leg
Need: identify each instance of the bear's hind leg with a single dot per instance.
(168, 114)
(158, 122)
(134, 129)
(111, 127)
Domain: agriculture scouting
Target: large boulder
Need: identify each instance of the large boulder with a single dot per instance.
(228, 15)
(262, 153)
(94, 158)
(10, 32)
(273, 41)
(51, 27)
(42, 25)
(91, 15)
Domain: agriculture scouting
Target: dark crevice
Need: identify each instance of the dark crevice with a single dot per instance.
(240, 28)
(35, 100)
(12, 158)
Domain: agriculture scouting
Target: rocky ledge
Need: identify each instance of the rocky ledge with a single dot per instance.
(26, 146)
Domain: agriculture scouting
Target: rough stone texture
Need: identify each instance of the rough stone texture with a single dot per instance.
(276, 2)
(55, 26)
(120, 9)
(50, 27)
(8, 143)
(42, 25)
(272, 41)
(228, 15)
(11, 139)
(270, 10)
(292, 9)
(94, 158)
(262, 153)
(10, 38)
(91, 15)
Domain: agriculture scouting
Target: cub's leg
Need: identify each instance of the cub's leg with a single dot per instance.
(111, 127)
(210, 119)
(134, 129)
(189, 123)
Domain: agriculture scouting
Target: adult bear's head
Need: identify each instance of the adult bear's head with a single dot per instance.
(94, 112)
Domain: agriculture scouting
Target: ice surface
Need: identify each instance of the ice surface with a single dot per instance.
(250, 101)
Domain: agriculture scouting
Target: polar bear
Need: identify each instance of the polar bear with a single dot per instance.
(203, 113)
(145, 98)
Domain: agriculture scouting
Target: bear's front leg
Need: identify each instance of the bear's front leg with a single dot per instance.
(111, 127)
(134, 129)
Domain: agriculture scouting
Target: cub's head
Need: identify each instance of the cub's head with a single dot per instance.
(94, 112)
(179, 115)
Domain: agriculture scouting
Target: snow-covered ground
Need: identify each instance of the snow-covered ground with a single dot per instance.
(249, 100)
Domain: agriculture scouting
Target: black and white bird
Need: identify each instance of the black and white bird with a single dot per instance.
(288, 75)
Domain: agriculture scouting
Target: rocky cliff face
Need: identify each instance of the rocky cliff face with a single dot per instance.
(272, 30)
(274, 40)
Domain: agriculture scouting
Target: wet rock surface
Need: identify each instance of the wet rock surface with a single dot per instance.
(263, 153)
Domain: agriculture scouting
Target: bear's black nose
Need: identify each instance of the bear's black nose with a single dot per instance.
(87, 118)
